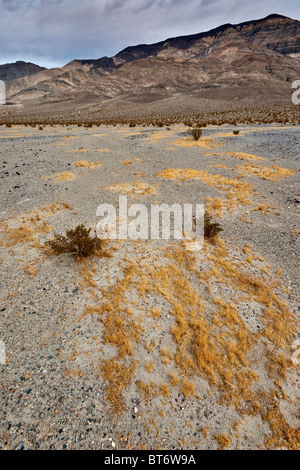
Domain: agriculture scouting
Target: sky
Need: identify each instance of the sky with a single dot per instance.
(51, 33)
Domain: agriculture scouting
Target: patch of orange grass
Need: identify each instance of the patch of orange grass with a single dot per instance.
(137, 188)
(147, 390)
(210, 337)
(64, 176)
(215, 206)
(164, 390)
(273, 173)
(118, 377)
(156, 312)
(87, 164)
(173, 378)
(221, 167)
(20, 235)
(24, 229)
(188, 388)
(190, 142)
(120, 330)
(236, 191)
(149, 366)
(264, 208)
(242, 156)
(72, 373)
(283, 435)
(223, 440)
(31, 269)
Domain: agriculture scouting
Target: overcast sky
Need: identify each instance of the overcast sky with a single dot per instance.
(53, 32)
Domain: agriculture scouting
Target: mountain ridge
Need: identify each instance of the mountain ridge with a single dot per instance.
(256, 59)
(19, 69)
(188, 38)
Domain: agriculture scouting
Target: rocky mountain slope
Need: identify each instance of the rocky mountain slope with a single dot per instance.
(19, 69)
(255, 60)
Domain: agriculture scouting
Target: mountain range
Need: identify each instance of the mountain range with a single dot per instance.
(256, 61)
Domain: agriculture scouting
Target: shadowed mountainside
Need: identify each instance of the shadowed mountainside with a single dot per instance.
(19, 69)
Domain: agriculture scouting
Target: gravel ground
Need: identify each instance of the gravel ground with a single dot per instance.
(67, 383)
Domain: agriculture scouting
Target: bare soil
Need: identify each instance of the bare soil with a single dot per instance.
(149, 345)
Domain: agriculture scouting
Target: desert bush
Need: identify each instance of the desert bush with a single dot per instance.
(196, 132)
(236, 132)
(77, 241)
(211, 229)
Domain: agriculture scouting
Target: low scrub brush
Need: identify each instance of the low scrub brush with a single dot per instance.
(211, 229)
(77, 241)
(196, 133)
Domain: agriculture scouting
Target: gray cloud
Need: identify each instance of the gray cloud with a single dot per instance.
(53, 32)
(112, 5)
(16, 5)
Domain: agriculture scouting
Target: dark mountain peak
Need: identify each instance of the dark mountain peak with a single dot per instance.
(250, 29)
(191, 37)
(19, 69)
(276, 16)
(183, 43)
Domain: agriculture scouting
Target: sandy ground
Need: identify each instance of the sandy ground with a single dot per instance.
(153, 346)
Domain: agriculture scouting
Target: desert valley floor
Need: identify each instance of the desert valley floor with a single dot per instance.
(149, 345)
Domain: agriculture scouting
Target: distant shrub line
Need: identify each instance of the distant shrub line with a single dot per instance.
(244, 114)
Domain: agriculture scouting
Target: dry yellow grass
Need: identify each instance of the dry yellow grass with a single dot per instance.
(273, 173)
(87, 164)
(137, 188)
(20, 235)
(64, 176)
(119, 376)
(164, 390)
(149, 366)
(26, 229)
(31, 269)
(237, 192)
(203, 142)
(223, 440)
(173, 378)
(238, 155)
(209, 338)
(188, 388)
